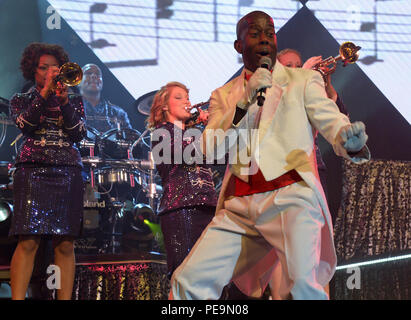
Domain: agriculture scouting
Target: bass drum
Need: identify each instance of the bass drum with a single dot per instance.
(96, 210)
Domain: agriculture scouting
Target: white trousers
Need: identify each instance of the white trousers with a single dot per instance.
(245, 239)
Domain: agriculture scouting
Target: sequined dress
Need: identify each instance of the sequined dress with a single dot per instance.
(47, 184)
(189, 198)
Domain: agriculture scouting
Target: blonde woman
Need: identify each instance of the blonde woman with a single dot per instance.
(189, 198)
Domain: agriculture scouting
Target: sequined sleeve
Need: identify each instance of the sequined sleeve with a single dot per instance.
(26, 113)
(74, 118)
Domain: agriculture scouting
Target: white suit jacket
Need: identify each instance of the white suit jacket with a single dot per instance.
(295, 107)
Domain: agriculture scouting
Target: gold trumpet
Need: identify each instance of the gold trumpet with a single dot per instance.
(70, 74)
(348, 54)
(194, 115)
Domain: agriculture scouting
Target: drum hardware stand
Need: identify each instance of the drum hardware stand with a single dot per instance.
(117, 212)
(148, 165)
(93, 162)
(152, 192)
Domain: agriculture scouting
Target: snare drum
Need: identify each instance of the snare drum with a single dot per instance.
(115, 143)
(107, 176)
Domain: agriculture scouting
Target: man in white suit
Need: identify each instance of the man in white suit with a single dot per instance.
(271, 208)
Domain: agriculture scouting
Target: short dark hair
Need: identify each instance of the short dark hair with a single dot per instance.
(244, 21)
(33, 52)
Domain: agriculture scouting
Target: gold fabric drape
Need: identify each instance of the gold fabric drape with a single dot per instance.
(121, 281)
(373, 222)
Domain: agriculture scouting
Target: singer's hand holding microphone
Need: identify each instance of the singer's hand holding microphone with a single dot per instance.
(256, 85)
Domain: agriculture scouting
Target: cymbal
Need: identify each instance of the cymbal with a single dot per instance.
(93, 130)
(143, 104)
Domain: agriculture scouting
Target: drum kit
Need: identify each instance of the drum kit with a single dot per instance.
(120, 169)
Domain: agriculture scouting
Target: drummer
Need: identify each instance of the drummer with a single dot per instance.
(101, 114)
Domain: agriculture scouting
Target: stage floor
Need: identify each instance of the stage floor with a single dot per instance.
(123, 276)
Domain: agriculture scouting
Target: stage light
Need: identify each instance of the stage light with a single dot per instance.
(156, 231)
(6, 210)
(376, 261)
(154, 227)
(141, 230)
(135, 219)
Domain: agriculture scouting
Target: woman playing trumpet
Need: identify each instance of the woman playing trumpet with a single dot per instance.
(48, 186)
(189, 198)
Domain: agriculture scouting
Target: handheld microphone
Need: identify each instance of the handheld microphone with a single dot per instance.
(265, 62)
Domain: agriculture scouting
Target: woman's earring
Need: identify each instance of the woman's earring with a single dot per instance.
(165, 108)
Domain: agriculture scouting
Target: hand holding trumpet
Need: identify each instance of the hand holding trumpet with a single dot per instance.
(51, 85)
(198, 116)
(311, 63)
(57, 80)
(203, 117)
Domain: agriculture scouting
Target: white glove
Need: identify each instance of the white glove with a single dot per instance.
(353, 136)
(260, 79)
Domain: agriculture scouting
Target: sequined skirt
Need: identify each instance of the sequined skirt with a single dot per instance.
(181, 229)
(47, 201)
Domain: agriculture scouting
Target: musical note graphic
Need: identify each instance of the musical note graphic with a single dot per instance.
(127, 34)
(371, 27)
(376, 28)
(150, 23)
(100, 43)
(163, 10)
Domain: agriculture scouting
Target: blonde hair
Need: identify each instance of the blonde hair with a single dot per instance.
(157, 113)
(287, 50)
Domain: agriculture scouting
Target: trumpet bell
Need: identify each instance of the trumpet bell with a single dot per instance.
(70, 74)
(349, 52)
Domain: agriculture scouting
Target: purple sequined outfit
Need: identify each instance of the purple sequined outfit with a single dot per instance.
(189, 198)
(47, 184)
